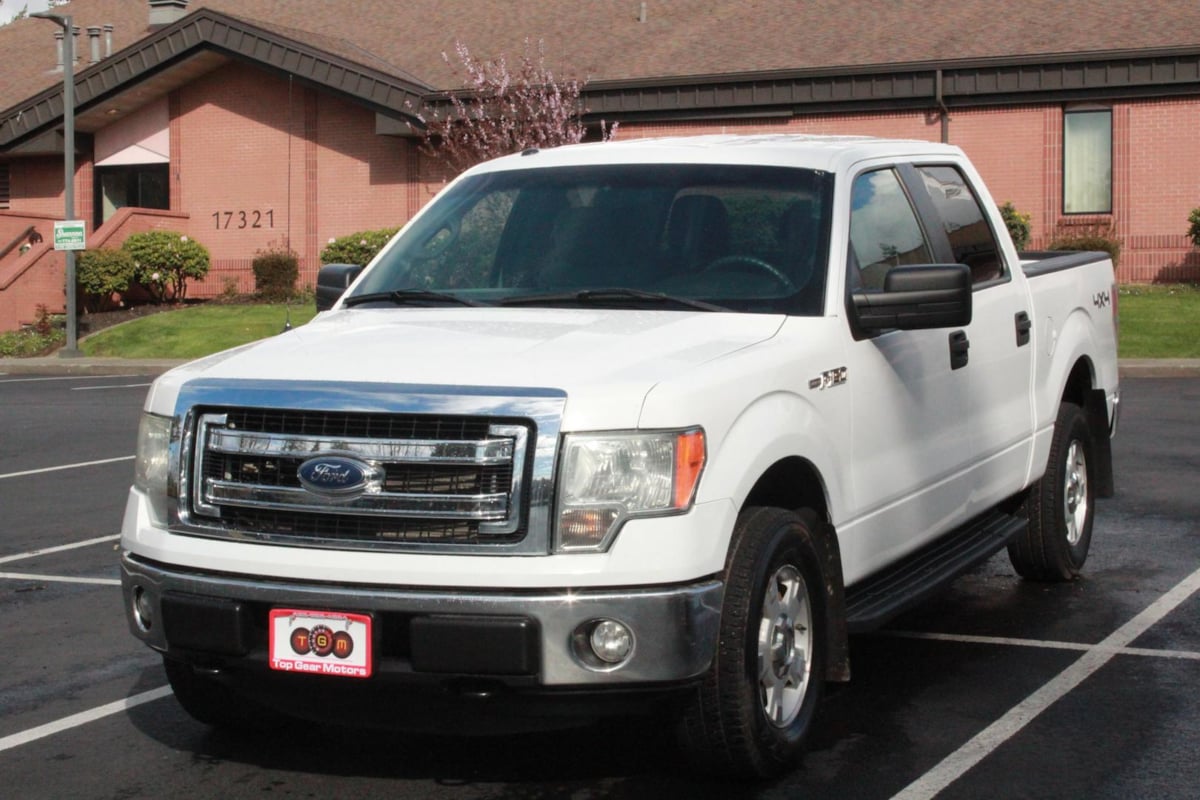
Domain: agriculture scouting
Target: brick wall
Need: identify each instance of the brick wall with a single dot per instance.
(1018, 151)
(305, 167)
(28, 281)
(258, 163)
(238, 163)
(1161, 186)
(36, 185)
(360, 177)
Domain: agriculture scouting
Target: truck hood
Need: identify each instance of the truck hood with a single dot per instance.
(605, 360)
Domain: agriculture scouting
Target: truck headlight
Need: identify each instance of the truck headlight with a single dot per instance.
(607, 478)
(151, 468)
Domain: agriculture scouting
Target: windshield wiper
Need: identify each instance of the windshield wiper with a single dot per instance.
(609, 296)
(403, 297)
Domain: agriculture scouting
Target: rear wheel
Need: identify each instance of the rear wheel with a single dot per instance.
(1060, 506)
(754, 708)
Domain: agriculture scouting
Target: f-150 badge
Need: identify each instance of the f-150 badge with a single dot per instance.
(829, 378)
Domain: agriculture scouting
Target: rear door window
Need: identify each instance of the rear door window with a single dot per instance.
(971, 238)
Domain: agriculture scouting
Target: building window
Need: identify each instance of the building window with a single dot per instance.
(5, 192)
(1087, 162)
(137, 185)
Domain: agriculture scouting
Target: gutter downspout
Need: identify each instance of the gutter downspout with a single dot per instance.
(945, 112)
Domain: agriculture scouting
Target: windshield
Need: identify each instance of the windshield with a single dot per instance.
(744, 238)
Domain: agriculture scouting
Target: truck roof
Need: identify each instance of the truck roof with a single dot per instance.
(792, 150)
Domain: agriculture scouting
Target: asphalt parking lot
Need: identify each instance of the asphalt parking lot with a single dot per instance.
(999, 688)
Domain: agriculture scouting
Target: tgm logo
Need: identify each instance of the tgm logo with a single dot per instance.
(337, 476)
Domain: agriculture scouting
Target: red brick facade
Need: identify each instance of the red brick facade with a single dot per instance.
(1156, 169)
(258, 162)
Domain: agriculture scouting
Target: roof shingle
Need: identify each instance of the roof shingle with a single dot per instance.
(604, 40)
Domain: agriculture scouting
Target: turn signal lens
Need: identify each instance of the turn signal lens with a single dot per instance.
(607, 478)
(689, 460)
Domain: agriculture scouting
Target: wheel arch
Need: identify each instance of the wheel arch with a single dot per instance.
(795, 483)
(1080, 389)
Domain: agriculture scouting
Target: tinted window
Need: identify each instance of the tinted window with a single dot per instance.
(884, 231)
(966, 226)
(743, 237)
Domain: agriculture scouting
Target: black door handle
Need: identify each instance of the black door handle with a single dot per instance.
(1024, 326)
(959, 349)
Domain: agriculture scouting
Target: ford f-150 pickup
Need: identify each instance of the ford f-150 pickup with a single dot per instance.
(624, 426)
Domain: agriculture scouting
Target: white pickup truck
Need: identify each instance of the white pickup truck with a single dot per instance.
(646, 425)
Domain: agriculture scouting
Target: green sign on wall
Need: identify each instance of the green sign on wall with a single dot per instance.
(70, 235)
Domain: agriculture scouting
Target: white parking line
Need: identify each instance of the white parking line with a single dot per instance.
(82, 718)
(28, 576)
(984, 743)
(67, 466)
(58, 549)
(114, 386)
(68, 378)
(1040, 643)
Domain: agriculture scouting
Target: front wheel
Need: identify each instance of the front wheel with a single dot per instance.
(1060, 506)
(751, 714)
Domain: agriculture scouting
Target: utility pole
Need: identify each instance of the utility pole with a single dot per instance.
(65, 22)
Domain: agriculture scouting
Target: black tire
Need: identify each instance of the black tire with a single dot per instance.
(1060, 506)
(209, 701)
(726, 725)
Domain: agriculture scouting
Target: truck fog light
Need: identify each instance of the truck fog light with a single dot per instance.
(611, 642)
(143, 609)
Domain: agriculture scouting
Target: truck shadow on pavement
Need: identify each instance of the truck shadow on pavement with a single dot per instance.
(639, 755)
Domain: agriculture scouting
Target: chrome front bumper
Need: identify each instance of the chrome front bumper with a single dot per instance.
(674, 627)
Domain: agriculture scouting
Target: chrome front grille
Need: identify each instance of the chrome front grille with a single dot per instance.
(435, 479)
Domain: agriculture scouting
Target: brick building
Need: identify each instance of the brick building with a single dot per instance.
(250, 124)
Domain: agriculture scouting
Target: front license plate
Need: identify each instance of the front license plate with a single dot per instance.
(320, 642)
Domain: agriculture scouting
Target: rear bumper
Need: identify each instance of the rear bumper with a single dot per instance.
(520, 638)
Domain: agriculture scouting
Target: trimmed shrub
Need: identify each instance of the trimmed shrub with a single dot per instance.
(1194, 229)
(1018, 225)
(103, 273)
(165, 260)
(1089, 237)
(275, 274)
(357, 248)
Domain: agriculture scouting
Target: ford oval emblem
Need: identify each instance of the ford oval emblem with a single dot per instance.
(336, 476)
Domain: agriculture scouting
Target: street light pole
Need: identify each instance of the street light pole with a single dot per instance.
(65, 22)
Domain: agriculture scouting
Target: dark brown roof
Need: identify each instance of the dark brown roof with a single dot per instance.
(759, 53)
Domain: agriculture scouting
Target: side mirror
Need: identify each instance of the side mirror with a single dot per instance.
(914, 298)
(332, 280)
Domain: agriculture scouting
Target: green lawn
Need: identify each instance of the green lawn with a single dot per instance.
(1160, 321)
(1156, 322)
(194, 332)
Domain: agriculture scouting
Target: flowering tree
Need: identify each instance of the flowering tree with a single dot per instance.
(505, 110)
